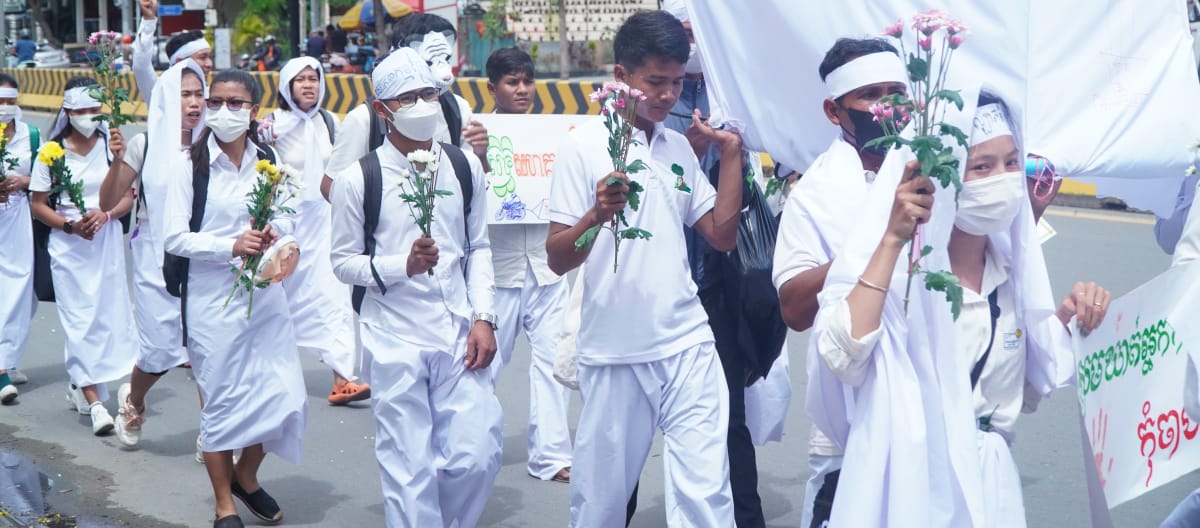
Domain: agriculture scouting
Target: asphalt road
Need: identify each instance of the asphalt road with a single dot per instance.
(337, 484)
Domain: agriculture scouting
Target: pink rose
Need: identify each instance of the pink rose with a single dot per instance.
(895, 30)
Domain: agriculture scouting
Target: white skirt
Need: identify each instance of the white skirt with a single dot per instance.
(247, 369)
(16, 279)
(155, 311)
(93, 305)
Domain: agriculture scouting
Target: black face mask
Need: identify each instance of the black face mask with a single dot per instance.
(866, 129)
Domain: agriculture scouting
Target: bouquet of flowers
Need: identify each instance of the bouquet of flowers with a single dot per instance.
(419, 190)
(274, 187)
(61, 180)
(7, 161)
(619, 107)
(925, 108)
(107, 45)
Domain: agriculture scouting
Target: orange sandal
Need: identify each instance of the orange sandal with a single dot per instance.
(348, 391)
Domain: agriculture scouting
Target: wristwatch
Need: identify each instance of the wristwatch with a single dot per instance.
(68, 228)
(487, 318)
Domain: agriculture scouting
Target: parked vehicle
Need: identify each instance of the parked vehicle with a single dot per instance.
(47, 56)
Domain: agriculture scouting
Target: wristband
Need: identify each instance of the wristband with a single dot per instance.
(871, 285)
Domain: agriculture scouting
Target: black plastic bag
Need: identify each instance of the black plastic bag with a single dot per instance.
(43, 283)
(750, 290)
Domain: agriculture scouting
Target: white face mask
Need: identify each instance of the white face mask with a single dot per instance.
(227, 124)
(694, 65)
(85, 124)
(418, 122)
(8, 113)
(988, 205)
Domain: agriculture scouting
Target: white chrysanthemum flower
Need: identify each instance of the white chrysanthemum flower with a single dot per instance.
(421, 156)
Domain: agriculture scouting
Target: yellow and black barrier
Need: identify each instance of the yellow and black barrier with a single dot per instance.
(42, 89)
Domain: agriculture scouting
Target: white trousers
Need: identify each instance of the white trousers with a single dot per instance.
(438, 432)
(818, 467)
(539, 311)
(685, 396)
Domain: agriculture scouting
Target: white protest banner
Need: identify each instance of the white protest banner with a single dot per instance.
(521, 151)
(1130, 382)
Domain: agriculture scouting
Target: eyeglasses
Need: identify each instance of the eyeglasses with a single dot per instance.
(1042, 172)
(233, 104)
(408, 99)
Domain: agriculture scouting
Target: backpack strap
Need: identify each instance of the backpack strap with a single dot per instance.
(329, 126)
(378, 127)
(200, 172)
(466, 182)
(35, 143)
(453, 115)
(372, 202)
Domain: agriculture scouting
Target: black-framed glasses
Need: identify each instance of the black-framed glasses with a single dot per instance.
(407, 99)
(233, 104)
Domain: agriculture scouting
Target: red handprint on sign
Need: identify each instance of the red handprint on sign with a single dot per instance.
(1099, 441)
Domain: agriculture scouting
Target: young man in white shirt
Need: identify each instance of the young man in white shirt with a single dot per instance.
(820, 213)
(528, 295)
(430, 337)
(647, 358)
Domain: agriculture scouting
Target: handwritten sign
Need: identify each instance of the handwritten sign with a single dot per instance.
(521, 151)
(1130, 382)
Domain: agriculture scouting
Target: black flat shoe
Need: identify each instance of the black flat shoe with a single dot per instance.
(229, 521)
(259, 503)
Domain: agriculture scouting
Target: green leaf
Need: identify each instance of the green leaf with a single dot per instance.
(613, 180)
(677, 169)
(634, 232)
(442, 192)
(635, 195)
(951, 96)
(635, 167)
(588, 238)
(925, 251)
(955, 132)
(918, 68)
(886, 142)
(947, 283)
(926, 143)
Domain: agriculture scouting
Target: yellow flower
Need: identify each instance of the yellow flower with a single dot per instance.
(51, 152)
(265, 168)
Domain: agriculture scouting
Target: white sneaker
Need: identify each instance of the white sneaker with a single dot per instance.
(75, 399)
(199, 451)
(8, 393)
(17, 377)
(102, 423)
(129, 420)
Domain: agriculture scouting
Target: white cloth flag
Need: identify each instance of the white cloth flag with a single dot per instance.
(1105, 96)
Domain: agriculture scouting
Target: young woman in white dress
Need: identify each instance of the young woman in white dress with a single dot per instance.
(16, 281)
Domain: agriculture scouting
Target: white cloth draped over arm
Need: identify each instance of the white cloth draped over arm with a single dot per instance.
(481, 280)
(349, 263)
(845, 356)
(179, 240)
(143, 58)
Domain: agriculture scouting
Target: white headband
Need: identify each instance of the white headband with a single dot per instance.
(882, 67)
(403, 70)
(189, 49)
(79, 97)
(990, 122)
(8, 93)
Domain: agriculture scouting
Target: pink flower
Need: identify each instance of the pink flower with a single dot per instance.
(637, 94)
(925, 42)
(955, 27)
(957, 39)
(598, 96)
(895, 30)
(928, 22)
(620, 103)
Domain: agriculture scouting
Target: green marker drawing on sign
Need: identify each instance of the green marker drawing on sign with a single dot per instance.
(500, 157)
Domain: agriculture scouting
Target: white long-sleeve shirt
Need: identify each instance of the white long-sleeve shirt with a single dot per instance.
(225, 214)
(143, 58)
(418, 309)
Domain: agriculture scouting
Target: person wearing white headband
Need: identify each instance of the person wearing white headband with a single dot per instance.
(147, 163)
(244, 361)
(361, 131)
(303, 133)
(819, 214)
(185, 45)
(87, 257)
(16, 229)
(427, 317)
(898, 366)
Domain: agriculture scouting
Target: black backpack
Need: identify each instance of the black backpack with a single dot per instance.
(450, 111)
(373, 198)
(175, 268)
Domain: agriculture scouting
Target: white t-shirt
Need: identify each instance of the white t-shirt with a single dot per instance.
(648, 309)
(354, 136)
(90, 170)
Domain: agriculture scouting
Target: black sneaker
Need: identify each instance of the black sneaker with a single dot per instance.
(259, 503)
(229, 521)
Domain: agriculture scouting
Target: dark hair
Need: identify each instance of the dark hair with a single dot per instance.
(651, 34)
(506, 61)
(848, 49)
(283, 104)
(8, 80)
(189, 71)
(180, 39)
(417, 24)
(199, 149)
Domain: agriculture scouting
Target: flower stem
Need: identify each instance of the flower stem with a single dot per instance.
(912, 267)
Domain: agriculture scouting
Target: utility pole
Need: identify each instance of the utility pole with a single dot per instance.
(382, 46)
(293, 9)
